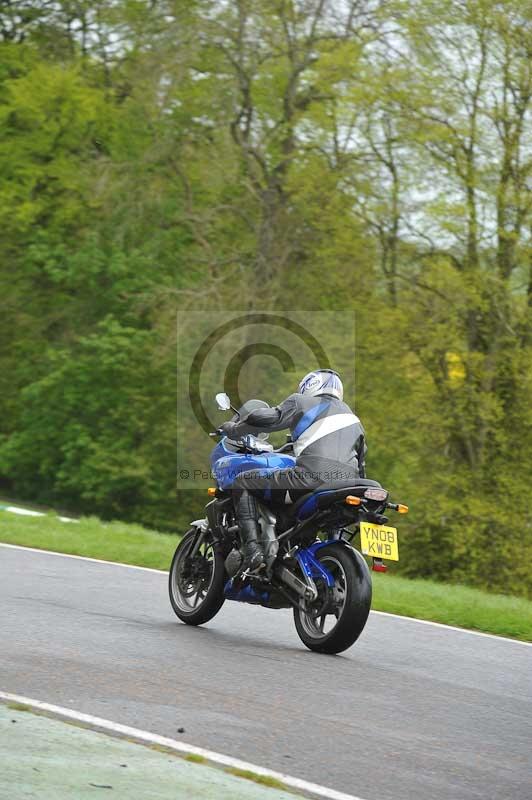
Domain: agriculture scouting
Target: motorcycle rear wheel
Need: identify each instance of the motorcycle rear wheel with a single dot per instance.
(351, 603)
(196, 583)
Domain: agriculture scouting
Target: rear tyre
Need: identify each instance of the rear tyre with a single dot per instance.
(196, 579)
(333, 623)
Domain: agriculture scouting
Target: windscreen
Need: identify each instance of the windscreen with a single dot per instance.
(249, 405)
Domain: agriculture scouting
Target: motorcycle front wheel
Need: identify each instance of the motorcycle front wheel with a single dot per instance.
(196, 579)
(335, 620)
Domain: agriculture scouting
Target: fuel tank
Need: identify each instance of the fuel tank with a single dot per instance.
(226, 464)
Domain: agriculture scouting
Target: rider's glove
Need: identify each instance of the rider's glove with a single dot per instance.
(230, 429)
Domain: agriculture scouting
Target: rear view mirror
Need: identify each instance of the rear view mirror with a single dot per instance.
(222, 401)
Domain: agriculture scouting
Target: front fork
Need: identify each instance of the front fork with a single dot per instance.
(201, 527)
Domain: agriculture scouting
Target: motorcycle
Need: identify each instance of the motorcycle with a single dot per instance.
(311, 563)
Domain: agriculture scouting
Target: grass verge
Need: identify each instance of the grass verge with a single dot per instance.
(110, 541)
(263, 780)
(451, 604)
(132, 544)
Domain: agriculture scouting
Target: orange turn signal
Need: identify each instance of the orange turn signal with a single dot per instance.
(211, 491)
(351, 500)
(402, 509)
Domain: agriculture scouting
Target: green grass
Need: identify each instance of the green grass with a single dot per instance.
(110, 541)
(263, 780)
(18, 707)
(132, 544)
(196, 759)
(454, 605)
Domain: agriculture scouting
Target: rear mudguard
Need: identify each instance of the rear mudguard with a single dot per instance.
(314, 569)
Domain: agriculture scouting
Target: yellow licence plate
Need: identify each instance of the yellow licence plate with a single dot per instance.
(379, 541)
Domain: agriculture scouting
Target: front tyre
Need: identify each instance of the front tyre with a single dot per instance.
(196, 579)
(336, 619)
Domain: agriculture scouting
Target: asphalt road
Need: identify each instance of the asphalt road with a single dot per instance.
(410, 711)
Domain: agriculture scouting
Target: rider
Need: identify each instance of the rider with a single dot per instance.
(329, 445)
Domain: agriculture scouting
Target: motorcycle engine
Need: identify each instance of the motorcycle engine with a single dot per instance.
(233, 562)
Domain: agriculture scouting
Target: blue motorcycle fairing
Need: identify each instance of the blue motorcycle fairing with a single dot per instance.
(227, 465)
(311, 504)
(246, 594)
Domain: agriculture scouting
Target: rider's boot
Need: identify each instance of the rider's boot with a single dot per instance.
(253, 553)
(249, 529)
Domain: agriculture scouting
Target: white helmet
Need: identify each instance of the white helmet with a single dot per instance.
(322, 381)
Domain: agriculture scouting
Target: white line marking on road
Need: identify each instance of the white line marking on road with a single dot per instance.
(452, 628)
(180, 747)
(441, 625)
(28, 512)
(82, 558)
(24, 511)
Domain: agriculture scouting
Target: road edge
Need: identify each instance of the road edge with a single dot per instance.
(181, 748)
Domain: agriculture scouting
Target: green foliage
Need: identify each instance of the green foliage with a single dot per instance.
(90, 428)
(372, 157)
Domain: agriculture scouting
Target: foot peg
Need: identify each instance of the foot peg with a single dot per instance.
(253, 556)
(256, 563)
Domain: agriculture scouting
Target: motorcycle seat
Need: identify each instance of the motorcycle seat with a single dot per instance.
(323, 498)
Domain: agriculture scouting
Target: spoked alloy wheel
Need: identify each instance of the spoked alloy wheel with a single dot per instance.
(196, 580)
(323, 615)
(335, 620)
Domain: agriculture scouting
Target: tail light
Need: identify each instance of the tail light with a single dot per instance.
(376, 494)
